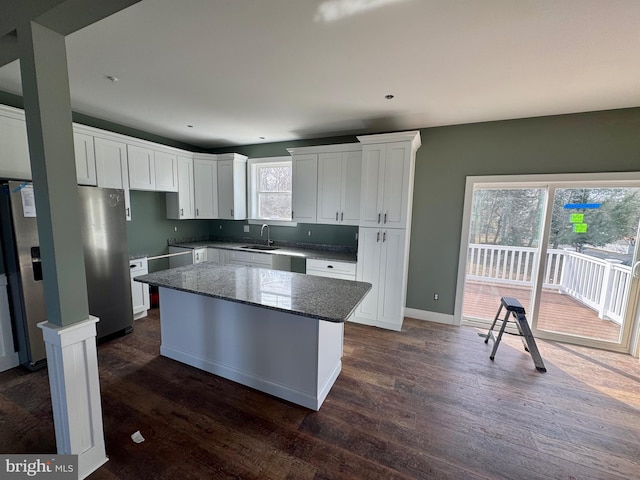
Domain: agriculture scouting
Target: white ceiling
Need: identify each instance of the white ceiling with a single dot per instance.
(238, 70)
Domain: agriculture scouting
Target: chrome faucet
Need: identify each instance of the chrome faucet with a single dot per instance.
(269, 242)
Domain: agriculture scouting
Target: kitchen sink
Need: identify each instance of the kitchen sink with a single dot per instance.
(260, 247)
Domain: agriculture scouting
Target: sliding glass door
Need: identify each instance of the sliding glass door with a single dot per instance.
(590, 253)
(564, 246)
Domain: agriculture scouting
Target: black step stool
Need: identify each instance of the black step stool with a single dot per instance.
(515, 309)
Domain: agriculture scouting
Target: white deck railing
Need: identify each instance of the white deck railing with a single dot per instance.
(599, 284)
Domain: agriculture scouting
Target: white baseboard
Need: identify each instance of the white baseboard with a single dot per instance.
(430, 316)
(251, 380)
(376, 323)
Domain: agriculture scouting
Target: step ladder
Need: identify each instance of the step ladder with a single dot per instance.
(516, 310)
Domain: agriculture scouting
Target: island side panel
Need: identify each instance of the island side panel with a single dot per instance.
(274, 352)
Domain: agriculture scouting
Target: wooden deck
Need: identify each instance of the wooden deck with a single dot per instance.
(558, 313)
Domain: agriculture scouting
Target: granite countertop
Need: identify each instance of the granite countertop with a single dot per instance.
(307, 251)
(321, 298)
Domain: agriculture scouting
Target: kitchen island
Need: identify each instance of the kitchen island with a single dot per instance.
(278, 332)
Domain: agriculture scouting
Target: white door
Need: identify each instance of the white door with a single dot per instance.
(166, 171)
(351, 181)
(390, 293)
(142, 174)
(85, 159)
(205, 175)
(329, 187)
(396, 185)
(368, 270)
(372, 185)
(185, 188)
(304, 188)
(225, 189)
(111, 163)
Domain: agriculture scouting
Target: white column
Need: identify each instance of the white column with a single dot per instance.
(75, 392)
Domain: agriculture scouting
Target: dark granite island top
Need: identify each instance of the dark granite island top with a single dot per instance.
(321, 298)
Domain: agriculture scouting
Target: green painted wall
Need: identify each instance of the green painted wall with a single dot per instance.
(149, 229)
(591, 142)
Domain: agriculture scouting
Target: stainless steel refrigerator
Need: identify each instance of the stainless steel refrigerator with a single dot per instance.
(104, 234)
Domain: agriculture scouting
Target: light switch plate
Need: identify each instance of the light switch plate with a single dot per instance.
(246, 229)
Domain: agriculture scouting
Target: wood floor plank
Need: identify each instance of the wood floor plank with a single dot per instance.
(423, 403)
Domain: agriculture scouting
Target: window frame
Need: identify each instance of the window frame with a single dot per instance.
(252, 190)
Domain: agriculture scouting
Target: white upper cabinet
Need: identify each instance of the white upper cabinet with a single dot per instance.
(181, 205)
(339, 179)
(166, 171)
(142, 174)
(152, 170)
(232, 186)
(85, 159)
(205, 186)
(111, 167)
(14, 147)
(387, 179)
(304, 167)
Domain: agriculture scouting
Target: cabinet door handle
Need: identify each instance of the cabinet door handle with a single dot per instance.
(232, 212)
(384, 237)
(342, 216)
(292, 215)
(336, 216)
(378, 218)
(378, 237)
(197, 212)
(182, 212)
(385, 218)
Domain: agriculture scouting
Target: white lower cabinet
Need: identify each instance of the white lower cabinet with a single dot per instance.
(331, 269)
(382, 261)
(250, 259)
(218, 255)
(139, 291)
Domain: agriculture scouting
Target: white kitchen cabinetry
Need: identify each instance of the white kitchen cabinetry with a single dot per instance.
(152, 170)
(139, 291)
(14, 146)
(331, 269)
(85, 159)
(388, 164)
(142, 175)
(218, 255)
(250, 259)
(205, 186)
(111, 167)
(304, 189)
(339, 179)
(166, 171)
(199, 255)
(232, 186)
(181, 204)
(381, 262)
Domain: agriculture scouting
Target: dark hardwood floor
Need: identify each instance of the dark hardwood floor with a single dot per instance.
(423, 403)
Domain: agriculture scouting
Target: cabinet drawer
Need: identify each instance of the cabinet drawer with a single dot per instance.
(331, 267)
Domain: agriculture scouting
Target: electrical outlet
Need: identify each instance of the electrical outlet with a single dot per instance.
(175, 229)
(220, 227)
(436, 296)
(246, 229)
(309, 233)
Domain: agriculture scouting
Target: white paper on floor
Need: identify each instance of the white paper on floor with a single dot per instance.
(137, 437)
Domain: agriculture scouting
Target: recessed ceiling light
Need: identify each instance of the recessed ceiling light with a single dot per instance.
(389, 97)
(190, 126)
(111, 78)
(262, 138)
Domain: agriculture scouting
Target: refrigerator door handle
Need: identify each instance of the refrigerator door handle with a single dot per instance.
(36, 264)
